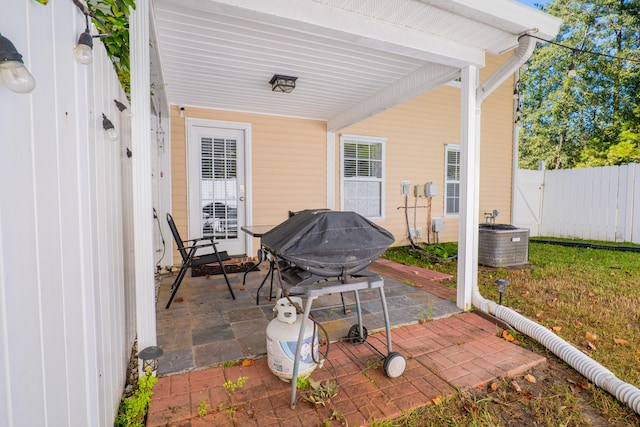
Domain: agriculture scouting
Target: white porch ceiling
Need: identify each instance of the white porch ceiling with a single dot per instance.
(352, 57)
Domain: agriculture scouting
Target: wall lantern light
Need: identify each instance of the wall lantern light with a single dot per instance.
(12, 70)
(283, 83)
(149, 357)
(109, 129)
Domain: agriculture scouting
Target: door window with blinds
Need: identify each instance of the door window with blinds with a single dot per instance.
(452, 180)
(218, 187)
(362, 175)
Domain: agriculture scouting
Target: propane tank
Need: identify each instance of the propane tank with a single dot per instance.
(282, 341)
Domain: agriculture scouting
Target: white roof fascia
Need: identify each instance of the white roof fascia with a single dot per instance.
(509, 16)
(317, 19)
(420, 81)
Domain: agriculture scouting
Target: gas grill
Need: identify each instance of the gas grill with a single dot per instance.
(322, 252)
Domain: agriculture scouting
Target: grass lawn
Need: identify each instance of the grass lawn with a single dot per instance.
(590, 298)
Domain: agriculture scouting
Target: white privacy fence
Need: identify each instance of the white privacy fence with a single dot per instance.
(67, 306)
(592, 203)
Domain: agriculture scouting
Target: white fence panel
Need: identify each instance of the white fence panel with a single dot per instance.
(65, 328)
(591, 203)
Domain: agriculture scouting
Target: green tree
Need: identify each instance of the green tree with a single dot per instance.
(591, 119)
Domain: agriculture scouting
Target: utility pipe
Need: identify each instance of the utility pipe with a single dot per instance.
(589, 368)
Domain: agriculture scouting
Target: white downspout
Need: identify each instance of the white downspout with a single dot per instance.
(582, 363)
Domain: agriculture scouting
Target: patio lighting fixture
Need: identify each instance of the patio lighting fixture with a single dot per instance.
(109, 129)
(149, 357)
(84, 49)
(572, 70)
(502, 287)
(12, 70)
(120, 105)
(281, 83)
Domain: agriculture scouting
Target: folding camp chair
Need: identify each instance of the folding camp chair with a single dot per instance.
(188, 249)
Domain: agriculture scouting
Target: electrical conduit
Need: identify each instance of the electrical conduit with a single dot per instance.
(582, 363)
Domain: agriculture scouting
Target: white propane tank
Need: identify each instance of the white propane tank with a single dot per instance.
(282, 340)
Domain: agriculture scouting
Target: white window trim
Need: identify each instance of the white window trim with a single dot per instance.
(369, 139)
(448, 147)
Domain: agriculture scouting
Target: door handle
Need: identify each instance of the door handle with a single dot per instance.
(242, 198)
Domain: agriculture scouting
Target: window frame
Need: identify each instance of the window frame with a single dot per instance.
(447, 149)
(347, 138)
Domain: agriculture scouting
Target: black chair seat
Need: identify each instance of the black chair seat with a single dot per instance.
(188, 249)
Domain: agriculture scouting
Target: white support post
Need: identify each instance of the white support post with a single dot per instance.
(331, 170)
(141, 179)
(469, 188)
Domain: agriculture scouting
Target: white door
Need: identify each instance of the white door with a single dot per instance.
(216, 185)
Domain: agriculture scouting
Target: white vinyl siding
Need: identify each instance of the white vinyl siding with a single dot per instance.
(362, 175)
(452, 180)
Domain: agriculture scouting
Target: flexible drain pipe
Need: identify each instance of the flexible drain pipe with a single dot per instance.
(582, 363)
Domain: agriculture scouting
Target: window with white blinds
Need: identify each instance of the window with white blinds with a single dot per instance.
(452, 180)
(218, 187)
(362, 175)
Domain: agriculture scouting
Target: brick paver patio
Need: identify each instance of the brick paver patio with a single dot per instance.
(460, 351)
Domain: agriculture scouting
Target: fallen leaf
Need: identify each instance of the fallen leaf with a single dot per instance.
(577, 324)
(557, 328)
(584, 384)
(470, 407)
(437, 400)
(589, 344)
(516, 386)
(587, 353)
(507, 336)
(527, 394)
(526, 294)
(480, 386)
(620, 341)
(494, 386)
(418, 285)
(530, 378)
(248, 362)
(590, 336)
(539, 314)
(592, 294)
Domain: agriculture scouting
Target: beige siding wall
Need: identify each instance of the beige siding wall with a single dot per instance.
(289, 163)
(417, 132)
(289, 157)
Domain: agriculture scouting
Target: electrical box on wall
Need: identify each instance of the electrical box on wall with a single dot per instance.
(425, 190)
(430, 189)
(405, 188)
(437, 225)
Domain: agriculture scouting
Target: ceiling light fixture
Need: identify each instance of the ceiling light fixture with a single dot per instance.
(281, 83)
(12, 70)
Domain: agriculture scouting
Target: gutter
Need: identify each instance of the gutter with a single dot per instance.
(589, 368)
(525, 48)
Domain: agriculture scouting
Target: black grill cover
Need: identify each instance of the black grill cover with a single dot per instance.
(328, 240)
